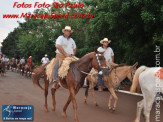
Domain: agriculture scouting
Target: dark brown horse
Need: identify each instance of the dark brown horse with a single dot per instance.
(2, 68)
(74, 79)
(29, 69)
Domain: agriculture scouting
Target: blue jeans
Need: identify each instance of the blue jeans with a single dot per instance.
(99, 81)
(55, 71)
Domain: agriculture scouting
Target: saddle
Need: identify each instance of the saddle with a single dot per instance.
(63, 69)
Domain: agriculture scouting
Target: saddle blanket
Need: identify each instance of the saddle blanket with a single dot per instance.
(159, 73)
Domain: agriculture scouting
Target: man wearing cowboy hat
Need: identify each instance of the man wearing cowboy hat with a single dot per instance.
(109, 57)
(45, 59)
(66, 47)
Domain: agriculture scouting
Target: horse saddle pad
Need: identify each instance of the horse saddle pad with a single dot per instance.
(159, 73)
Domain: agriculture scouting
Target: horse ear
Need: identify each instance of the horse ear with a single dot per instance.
(134, 66)
(95, 49)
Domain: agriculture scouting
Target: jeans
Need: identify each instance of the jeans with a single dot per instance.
(99, 81)
(55, 71)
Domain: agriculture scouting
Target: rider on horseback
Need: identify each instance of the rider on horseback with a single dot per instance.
(29, 61)
(109, 57)
(66, 47)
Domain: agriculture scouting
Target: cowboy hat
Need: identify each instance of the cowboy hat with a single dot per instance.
(46, 55)
(105, 40)
(67, 28)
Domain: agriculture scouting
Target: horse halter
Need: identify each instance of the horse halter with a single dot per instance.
(99, 63)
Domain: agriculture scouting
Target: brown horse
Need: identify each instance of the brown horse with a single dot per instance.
(29, 69)
(74, 79)
(2, 68)
(112, 82)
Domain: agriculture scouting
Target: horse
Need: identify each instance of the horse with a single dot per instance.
(150, 85)
(73, 81)
(13, 66)
(2, 68)
(111, 81)
(21, 69)
(29, 69)
(18, 68)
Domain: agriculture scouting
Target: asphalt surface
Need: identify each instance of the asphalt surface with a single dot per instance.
(19, 90)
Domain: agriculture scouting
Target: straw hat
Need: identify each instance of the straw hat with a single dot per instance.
(105, 40)
(46, 55)
(67, 28)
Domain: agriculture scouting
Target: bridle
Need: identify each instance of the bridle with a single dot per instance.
(99, 63)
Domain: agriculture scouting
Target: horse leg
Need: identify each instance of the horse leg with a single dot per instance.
(115, 98)
(148, 102)
(66, 105)
(53, 90)
(94, 98)
(110, 100)
(86, 91)
(72, 93)
(46, 94)
(71, 97)
(86, 95)
(138, 111)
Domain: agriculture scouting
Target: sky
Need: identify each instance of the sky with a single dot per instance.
(6, 7)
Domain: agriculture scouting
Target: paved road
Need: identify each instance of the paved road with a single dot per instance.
(16, 89)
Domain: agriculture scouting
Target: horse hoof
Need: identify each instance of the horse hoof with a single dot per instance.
(64, 114)
(110, 110)
(97, 106)
(53, 108)
(46, 110)
(76, 120)
(85, 102)
(113, 110)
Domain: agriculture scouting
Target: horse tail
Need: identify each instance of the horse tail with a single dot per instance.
(135, 84)
(37, 74)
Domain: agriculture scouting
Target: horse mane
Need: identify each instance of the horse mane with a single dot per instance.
(135, 83)
(120, 65)
(84, 57)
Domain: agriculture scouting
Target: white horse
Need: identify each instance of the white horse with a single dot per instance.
(150, 85)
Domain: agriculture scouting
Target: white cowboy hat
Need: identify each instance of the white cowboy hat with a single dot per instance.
(30, 56)
(46, 55)
(105, 40)
(67, 28)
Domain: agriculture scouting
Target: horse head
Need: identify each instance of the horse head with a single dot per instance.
(132, 72)
(98, 61)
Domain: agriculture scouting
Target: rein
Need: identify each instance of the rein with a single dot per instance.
(99, 64)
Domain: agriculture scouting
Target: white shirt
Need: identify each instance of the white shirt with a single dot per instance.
(4, 59)
(108, 54)
(68, 45)
(45, 60)
(22, 61)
